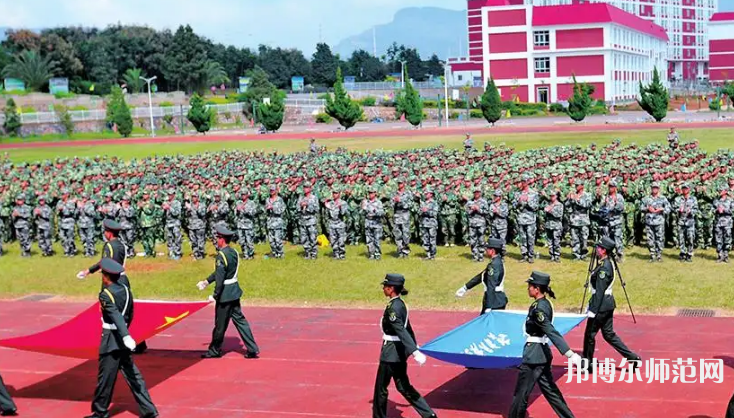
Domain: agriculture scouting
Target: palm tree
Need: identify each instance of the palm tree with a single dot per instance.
(131, 78)
(214, 74)
(34, 70)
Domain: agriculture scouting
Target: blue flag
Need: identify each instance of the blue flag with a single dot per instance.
(494, 340)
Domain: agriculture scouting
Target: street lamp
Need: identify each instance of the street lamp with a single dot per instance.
(150, 103)
(446, 67)
(402, 74)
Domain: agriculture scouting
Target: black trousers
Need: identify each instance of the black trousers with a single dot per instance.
(399, 373)
(109, 365)
(540, 374)
(730, 409)
(6, 402)
(224, 312)
(604, 321)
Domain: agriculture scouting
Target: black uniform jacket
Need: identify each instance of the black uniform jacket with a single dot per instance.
(492, 278)
(117, 305)
(395, 325)
(602, 279)
(115, 250)
(539, 323)
(227, 287)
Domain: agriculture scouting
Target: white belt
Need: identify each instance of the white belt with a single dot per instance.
(539, 340)
(109, 326)
(386, 337)
(500, 288)
(606, 292)
(231, 281)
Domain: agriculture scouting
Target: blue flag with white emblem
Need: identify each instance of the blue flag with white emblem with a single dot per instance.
(494, 340)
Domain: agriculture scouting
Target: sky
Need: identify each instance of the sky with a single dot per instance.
(285, 23)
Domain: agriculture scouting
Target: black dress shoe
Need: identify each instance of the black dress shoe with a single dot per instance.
(210, 355)
(11, 413)
(252, 355)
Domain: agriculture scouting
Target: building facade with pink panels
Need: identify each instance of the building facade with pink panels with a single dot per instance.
(721, 48)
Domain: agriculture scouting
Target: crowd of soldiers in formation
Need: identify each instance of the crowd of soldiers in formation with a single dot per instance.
(657, 195)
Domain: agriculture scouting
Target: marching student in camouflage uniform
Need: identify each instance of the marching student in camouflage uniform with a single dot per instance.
(148, 223)
(337, 211)
(614, 204)
(429, 223)
(66, 210)
(217, 212)
(687, 208)
(554, 226)
(476, 210)
(308, 207)
(723, 208)
(499, 211)
(127, 215)
(87, 220)
(403, 203)
(43, 215)
(580, 203)
(448, 217)
(196, 222)
(22, 218)
(172, 213)
(656, 208)
(373, 211)
(275, 208)
(245, 213)
(526, 204)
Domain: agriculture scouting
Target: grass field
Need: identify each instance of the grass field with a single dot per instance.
(710, 140)
(653, 288)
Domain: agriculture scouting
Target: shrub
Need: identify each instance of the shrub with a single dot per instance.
(476, 113)
(368, 101)
(166, 104)
(323, 118)
(168, 119)
(27, 109)
(557, 108)
(430, 104)
(65, 119)
(12, 123)
(61, 95)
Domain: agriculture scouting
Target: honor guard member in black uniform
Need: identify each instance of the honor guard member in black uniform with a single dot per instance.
(601, 308)
(227, 294)
(493, 279)
(398, 343)
(536, 355)
(7, 406)
(114, 249)
(117, 305)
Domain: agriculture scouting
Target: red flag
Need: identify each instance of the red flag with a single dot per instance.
(80, 336)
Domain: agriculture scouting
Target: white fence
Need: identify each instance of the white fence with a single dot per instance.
(305, 105)
(391, 85)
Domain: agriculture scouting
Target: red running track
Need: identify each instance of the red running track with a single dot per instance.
(371, 133)
(322, 363)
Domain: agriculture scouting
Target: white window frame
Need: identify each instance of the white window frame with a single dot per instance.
(543, 68)
(541, 38)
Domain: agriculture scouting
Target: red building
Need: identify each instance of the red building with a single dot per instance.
(533, 52)
(721, 48)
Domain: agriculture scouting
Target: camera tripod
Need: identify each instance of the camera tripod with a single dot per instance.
(593, 264)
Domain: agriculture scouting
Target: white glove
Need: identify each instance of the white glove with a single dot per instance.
(419, 357)
(82, 274)
(590, 314)
(461, 292)
(211, 298)
(202, 284)
(129, 342)
(575, 358)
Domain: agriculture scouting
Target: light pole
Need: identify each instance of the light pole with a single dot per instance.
(150, 103)
(446, 90)
(402, 74)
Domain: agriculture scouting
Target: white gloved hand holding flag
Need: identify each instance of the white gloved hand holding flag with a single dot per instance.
(82, 274)
(129, 342)
(202, 285)
(461, 292)
(419, 357)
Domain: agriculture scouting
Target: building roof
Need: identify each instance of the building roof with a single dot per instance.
(723, 16)
(585, 13)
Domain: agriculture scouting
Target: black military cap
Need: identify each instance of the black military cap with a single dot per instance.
(223, 231)
(607, 243)
(392, 279)
(539, 278)
(495, 243)
(111, 266)
(111, 225)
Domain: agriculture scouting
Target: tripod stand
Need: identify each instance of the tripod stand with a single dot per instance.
(593, 265)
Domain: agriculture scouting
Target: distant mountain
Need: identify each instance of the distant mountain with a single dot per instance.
(428, 29)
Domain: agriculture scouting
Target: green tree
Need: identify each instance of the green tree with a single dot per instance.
(199, 115)
(409, 103)
(271, 115)
(366, 67)
(185, 60)
(132, 80)
(34, 70)
(259, 88)
(12, 123)
(65, 118)
(491, 103)
(324, 65)
(579, 105)
(214, 74)
(342, 107)
(654, 98)
(728, 89)
(118, 113)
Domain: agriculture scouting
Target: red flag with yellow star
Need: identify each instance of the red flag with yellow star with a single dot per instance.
(80, 336)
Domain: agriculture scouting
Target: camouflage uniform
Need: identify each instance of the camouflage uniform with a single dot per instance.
(614, 205)
(148, 225)
(429, 225)
(723, 208)
(476, 210)
(687, 209)
(67, 212)
(22, 217)
(87, 220)
(174, 238)
(196, 222)
(580, 222)
(337, 211)
(246, 214)
(275, 209)
(526, 203)
(403, 203)
(218, 211)
(373, 213)
(554, 228)
(109, 210)
(447, 218)
(127, 216)
(308, 207)
(655, 223)
(43, 215)
(498, 213)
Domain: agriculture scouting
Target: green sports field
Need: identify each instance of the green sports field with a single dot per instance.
(653, 288)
